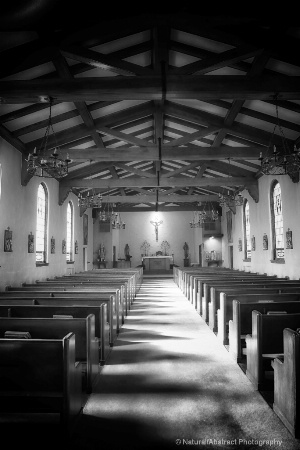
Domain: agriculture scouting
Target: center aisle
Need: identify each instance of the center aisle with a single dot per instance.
(168, 381)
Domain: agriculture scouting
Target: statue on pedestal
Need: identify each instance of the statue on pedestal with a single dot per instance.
(186, 250)
(101, 256)
(186, 261)
(127, 253)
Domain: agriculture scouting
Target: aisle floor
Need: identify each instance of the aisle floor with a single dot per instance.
(169, 383)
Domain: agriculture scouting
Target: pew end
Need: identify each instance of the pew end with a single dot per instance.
(287, 382)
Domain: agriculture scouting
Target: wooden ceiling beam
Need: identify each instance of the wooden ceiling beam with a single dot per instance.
(150, 153)
(132, 199)
(161, 207)
(152, 182)
(201, 87)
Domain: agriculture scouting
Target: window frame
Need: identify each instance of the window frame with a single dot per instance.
(275, 258)
(70, 239)
(44, 260)
(247, 236)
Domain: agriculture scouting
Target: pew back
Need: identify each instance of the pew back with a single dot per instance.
(87, 346)
(41, 375)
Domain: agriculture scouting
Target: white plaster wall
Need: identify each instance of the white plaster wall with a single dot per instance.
(18, 211)
(260, 223)
(175, 229)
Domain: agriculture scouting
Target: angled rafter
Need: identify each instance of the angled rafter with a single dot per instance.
(131, 169)
(105, 62)
(189, 137)
(219, 60)
(121, 136)
(200, 173)
(115, 176)
(184, 168)
(63, 70)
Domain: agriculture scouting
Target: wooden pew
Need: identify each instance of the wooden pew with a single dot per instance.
(128, 284)
(74, 291)
(135, 275)
(217, 290)
(87, 345)
(225, 312)
(192, 289)
(266, 343)
(287, 382)
(42, 376)
(119, 286)
(203, 284)
(213, 300)
(80, 311)
(70, 298)
(241, 323)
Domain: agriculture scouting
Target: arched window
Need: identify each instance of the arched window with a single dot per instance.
(70, 231)
(247, 238)
(41, 224)
(277, 221)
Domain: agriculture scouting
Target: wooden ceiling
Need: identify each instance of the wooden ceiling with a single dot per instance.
(154, 109)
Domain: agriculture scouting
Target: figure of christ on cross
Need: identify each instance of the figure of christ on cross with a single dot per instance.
(156, 225)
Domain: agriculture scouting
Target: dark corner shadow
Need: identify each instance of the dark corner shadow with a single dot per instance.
(118, 433)
(127, 384)
(149, 335)
(141, 305)
(121, 343)
(163, 357)
(34, 435)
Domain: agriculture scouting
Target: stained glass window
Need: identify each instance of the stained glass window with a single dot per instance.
(41, 224)
(247, 230)
(277, 222)
(70, 232)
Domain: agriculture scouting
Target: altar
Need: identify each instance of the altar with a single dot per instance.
(157, 262)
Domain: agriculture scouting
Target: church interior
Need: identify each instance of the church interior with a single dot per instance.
(149, 218)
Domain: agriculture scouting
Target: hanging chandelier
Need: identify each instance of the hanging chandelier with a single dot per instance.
(230, 198)
(40, 164)
(207, 214)
(117, 222)
(90, 201)
(109, 215)
(280, 159)
(105, 214)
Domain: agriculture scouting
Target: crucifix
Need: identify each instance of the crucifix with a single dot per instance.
(156, 225)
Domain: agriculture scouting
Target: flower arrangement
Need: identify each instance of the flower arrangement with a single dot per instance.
(165, 246)
(145, 247)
